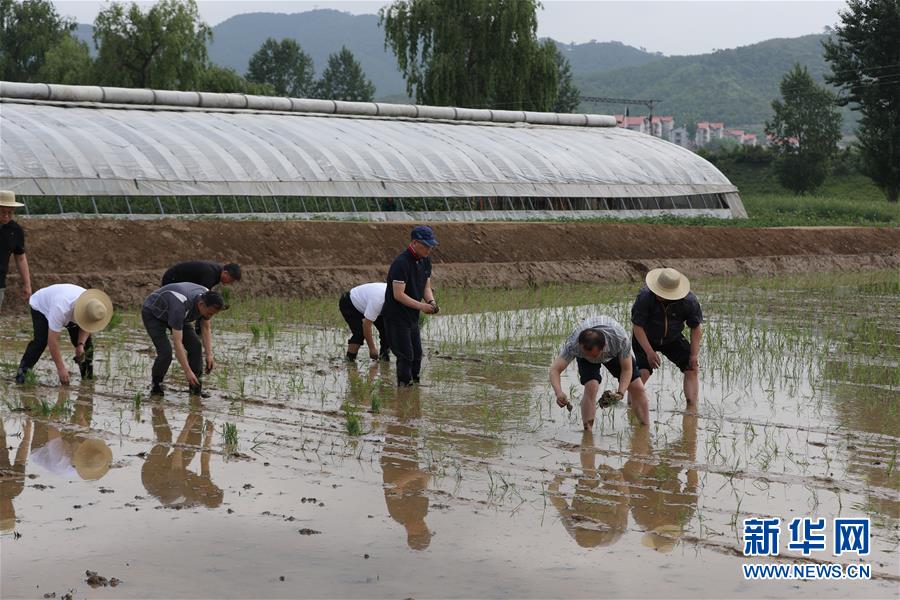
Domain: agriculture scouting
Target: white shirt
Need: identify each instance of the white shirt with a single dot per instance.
(369, 299)
(57, 304)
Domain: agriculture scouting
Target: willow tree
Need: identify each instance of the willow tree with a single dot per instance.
(473, 53)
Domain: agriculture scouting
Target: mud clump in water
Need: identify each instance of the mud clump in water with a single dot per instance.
(96, 580)
(307, 531)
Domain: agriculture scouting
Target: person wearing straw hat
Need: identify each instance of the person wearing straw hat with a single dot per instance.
(12, 241)
(65, 306)
(662, 308)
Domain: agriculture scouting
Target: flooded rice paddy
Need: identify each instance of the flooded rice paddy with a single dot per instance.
(305, 476)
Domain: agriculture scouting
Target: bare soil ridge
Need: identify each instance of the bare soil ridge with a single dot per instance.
(296, 258)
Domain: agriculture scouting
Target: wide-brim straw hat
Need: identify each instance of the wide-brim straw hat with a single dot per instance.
(663, 538)
(93, 311)
(8, 199)
(92, 459)
(668, 284)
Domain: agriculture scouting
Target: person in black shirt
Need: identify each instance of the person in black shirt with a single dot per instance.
(662, 308)
(12, 241)
(408, 284)
(207, 273)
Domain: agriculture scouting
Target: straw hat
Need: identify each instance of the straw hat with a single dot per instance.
(93, 311)
(668, 284)
(662, 539)
(8, 199)
(92, 459)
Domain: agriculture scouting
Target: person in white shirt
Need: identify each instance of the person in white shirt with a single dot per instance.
(65, 306)
(361, 309)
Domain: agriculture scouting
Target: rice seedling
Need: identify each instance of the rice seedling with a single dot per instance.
(230, 436)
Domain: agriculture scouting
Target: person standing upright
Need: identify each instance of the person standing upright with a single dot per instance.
(12, 241)
(407, 294)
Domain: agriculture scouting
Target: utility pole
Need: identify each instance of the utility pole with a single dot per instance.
(650, 104)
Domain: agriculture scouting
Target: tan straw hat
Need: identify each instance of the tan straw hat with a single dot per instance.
(662, 539)
(8, 199)
(668, 283)
(92, 459)
(93, 311)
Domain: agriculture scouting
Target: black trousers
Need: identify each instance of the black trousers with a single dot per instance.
(406, 344)
(354, 320)
(38, 344)
(159, 334)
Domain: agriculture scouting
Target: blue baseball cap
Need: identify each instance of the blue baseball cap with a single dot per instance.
(424, 234)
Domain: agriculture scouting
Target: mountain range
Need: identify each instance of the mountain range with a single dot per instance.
(735, 86)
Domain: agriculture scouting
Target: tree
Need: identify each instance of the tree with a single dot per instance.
(805, 130)
(568, 96)
(28, 30)
(344, 79)
(68, 62)
(284, 66)
(475, 53)
(864, 53)
(222, 79)
(164, 48)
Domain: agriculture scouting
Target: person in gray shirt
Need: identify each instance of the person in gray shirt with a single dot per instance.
(600, 342)
(168, 309)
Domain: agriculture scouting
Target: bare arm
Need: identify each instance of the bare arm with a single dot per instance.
(641, 336)
(626, 366)
(22, 264)
(181, 356)
(400, 295)
(557, 367)
(428, 295)
(206, 339)
(696, 335)
(56, 355)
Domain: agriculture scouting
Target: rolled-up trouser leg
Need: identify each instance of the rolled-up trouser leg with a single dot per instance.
(159, 335)
(194, 348)
(38, 343)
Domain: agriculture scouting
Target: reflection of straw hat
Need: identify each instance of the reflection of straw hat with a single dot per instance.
(92, 459)
(7, 524)
(93, 311)
(662, 539)
(668, 284)
(8, 199)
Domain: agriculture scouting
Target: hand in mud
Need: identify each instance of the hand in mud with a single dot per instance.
(210, 364)
(563, 401)
(63, 376)
(192, 379)
(653, 359)
(373, 354)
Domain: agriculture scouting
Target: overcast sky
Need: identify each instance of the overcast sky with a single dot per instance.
(670, 27)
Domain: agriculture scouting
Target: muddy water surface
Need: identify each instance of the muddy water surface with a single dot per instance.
(474, 484)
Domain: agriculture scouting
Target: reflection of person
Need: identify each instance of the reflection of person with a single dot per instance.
(168, 309)
(165, 473)
(68, 454)
(408, 293)
(660, 502)
(599, 342)
(659, 314)
(12, 476)
(361, 309)
(598, 515)
(65, 306)
(405, 483)
(12, 241)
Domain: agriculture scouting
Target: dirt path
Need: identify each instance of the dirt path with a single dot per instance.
(127, 258)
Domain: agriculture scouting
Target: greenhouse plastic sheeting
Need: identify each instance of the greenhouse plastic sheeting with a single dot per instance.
(86, 149)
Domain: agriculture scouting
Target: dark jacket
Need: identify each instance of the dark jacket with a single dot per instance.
(664, 320)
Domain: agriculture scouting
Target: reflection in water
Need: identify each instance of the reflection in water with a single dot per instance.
(68, 454)
(660, 502)
(598, 514)
(12, 476)
(165, 473)
(405, 482)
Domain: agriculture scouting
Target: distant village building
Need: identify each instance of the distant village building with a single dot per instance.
(663, 127)
(680, 137)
